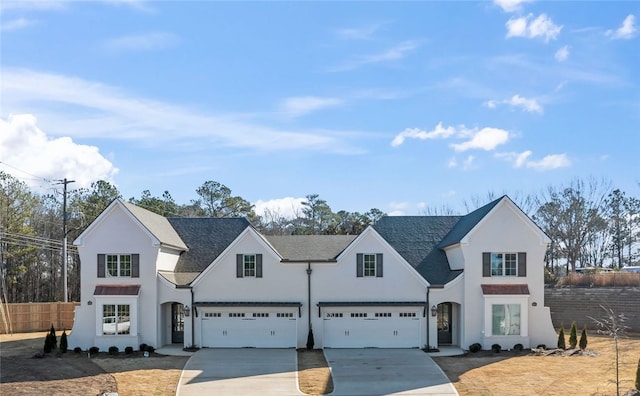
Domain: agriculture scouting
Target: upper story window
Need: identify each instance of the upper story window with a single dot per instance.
(369, 265)
(118, 265)
(504, 264)
(249, 266)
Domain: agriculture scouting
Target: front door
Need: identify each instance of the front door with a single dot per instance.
(444, 323)
(177, 323)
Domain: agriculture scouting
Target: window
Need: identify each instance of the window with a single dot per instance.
(236, 314)
(369, 264)
(260, 314)
(119, 265)
(284, 315)
(116, 319)
(334, 315)
(358, 314)
(383, 314)
(407, 314)
(212, 315)
(504, 264)
(249, 265)
(505, 319)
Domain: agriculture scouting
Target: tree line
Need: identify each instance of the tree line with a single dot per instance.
(590, 224)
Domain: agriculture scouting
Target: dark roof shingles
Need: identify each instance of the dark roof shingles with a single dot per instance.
(310, 247)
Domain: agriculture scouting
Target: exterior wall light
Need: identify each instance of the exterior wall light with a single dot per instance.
(186, 310)
(434, 311)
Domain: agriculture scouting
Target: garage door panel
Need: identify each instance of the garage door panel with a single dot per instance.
(231, 330)
(390, 329)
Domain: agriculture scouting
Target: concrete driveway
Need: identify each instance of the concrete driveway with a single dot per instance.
(386, 372)
(214, 371)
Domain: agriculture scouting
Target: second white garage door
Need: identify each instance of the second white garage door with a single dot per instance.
(380, 328)
(240, 328)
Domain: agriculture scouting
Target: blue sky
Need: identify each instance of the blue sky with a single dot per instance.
(392, 105)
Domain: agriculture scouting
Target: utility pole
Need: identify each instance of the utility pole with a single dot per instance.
(64, 182)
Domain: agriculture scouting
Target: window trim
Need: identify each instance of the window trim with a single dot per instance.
(369, 273)
(491, 300)
(503, 264)
(131, 301)
(119, 265)
(248, 272)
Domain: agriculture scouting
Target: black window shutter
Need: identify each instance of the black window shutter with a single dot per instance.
(101, 266)
(135, 265)
(522, 264)
(379, 265)
(239, 266)
(258, 266)
(359, 265)
(486, 264)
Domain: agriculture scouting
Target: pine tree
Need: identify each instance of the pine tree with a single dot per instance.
(583, 338)
(561, 341)
(573, 337)
(63, 342)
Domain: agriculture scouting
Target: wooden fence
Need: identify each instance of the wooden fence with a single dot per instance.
(30, 317)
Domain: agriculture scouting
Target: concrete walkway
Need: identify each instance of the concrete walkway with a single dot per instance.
(386, 372)
(247, 372)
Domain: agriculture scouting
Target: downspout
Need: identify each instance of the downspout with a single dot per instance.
(426, 310)
(193, 320)
(310, 340)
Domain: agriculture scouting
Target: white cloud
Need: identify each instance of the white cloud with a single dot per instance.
(522, 160)
(626, 31)
(484, 139)
(360, 33)
(562, 54)
(414, 133)
(143, 42)
(300, 105)
(468, 162)
(288, 207)
(397, 208)
(392, 54)
(552, 161)
(511, 5)
(16, 24)
(24, 146)
(530, 105)
(107, 112)
(526, 27)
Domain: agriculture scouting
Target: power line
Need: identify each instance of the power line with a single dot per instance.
(25, 172)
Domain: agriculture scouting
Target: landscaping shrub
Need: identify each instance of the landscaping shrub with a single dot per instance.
(143, 347)
(150, 349)
(638, 376)
(541, 346)
(64, 345)
(518, 347)
(310, 341)
(77, 350)
(93, 350)
(573, 336)
(54, 340)
(475, 347)
(113, 350)
(583, 338)
(496, 348)
(561, 341)
(50, 341)
(128, 350)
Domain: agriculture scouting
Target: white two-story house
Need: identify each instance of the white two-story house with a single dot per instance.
(406, 282)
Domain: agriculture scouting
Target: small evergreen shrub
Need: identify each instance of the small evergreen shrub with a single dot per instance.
(573, 336)
(518, 347)
(583, 338)
(150, 349)
(93, 350)
(310, 341)
(113, 350)
(77, 350)
(561, 341)
(64, 345)
(128, 350)
(54, 340)
(143, 347)
(475, 347)
(496, 348)
(47, 344)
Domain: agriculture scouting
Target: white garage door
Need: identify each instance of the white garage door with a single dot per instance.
(379, 328)
(240, 328)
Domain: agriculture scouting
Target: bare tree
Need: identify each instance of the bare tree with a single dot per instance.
(612, 325)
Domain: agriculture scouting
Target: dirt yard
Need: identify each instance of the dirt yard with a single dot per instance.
(484, 373)
(509, 373)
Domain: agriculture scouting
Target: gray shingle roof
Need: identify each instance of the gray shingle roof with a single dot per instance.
(416, 239)
(466, 224)
(310, 247)
(157, 225)
(179, 278)
(206, 238)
